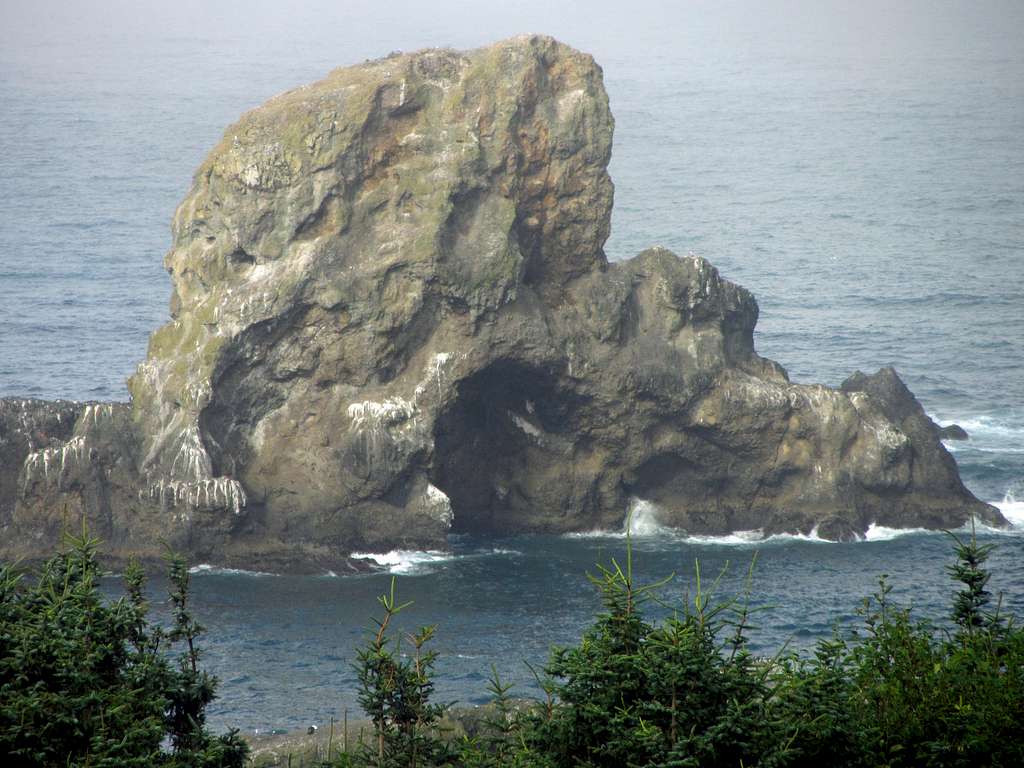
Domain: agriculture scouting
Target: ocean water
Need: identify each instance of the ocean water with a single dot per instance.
(860, 169)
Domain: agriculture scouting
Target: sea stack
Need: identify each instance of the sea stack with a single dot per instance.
(392, 318)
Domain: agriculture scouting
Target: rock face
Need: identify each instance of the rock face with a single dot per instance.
(64, 461)
(392, 317)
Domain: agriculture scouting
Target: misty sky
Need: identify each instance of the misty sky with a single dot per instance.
(225, 56)
(60, 35)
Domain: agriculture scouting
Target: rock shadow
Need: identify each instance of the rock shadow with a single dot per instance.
(499, 447)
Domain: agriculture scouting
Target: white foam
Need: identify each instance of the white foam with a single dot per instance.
(987, 433)
(812, 536)
(991, 425)
(644, 525)
(403, 560)
(597, 533)
(968, 446)
(876, 532)
(419, 562)
(1012, 510)
(216, 570)
(740, 538)
(754, 537)
(642, 522)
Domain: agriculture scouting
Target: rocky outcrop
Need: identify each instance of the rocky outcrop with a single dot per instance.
(64, 463)
(392, 317)
(953, 432)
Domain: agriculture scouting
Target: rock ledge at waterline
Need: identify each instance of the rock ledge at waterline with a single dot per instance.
(392, 317)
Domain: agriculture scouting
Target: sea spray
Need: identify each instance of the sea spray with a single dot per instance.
(642, 519)
(1012, 505)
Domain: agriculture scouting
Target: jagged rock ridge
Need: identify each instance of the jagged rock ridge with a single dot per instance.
(392, 317)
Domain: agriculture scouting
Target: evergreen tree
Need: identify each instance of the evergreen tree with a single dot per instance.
(84, 681)
(395, 693)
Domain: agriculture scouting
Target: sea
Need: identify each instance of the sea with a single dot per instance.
(858, 166)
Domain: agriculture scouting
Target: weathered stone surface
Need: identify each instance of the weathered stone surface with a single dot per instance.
(392, 317)
(64, 462)
(348, 252)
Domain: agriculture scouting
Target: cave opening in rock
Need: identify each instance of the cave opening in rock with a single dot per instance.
(496, 446)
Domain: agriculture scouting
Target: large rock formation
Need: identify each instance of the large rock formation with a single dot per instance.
(392, 317)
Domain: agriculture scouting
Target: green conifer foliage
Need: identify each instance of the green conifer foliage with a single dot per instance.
(89, 682)
(395, 692)
(686, 692)
(86, 682)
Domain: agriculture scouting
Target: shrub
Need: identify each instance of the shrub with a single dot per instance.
(395, 693)
(925, 696)
(686, 692)
(88, 682)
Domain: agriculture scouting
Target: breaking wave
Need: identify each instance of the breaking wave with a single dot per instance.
(755, 538)
(216, 570)
(876, 532)
(1012, 505)
(988, 433)
(641, 522)
(405, 562)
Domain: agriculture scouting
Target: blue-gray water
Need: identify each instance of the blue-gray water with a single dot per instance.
(860, 167)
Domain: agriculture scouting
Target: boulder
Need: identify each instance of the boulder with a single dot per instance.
(392, 318)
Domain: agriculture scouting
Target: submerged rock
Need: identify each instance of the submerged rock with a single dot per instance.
(392, 318)
(953, 432)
